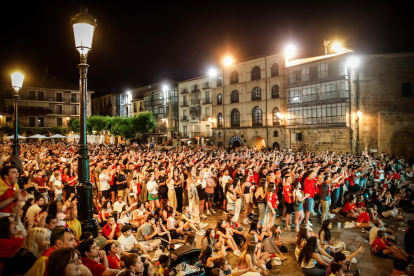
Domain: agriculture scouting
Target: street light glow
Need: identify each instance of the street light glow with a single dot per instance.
(290, 51)
(337, 48)
(83, 27)
(165, 88)
(67, 118)
(17, 80)
(359, 113)
(353, 62)
(278, 114)
(212, 72)
(228, 61)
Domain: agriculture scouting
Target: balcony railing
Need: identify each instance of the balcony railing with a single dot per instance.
(248, 123)
(185, 91)
(195, 89)
(195, 102)
(183, 135)
(25, 110)
(74, 112)
(184, 103)
(74, 100)
(195, 117)
(160, 115)
(205, 117)
(207, 101)
(320, 120)
(157, 102)
(220, 102)
(160, 129)
(319, 97)
(184, 119)
(147, 103)
(195, 134)
(207, 85)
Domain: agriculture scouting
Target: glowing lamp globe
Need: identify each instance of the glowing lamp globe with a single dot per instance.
(17, 80)
(83, 28)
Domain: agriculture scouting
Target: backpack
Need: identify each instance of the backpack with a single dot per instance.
(297, 202)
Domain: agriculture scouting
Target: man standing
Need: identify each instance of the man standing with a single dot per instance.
(309, 184)
(41, 180)
(104, 182)
(55, 183)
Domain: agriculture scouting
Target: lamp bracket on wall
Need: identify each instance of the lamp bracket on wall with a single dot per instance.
(339, 130)
(318, 130)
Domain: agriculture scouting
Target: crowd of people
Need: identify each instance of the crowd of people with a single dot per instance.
(151, 201)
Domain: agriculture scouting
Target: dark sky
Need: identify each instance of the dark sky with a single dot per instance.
(142, 42)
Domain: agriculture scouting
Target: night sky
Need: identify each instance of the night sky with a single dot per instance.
(142, 42)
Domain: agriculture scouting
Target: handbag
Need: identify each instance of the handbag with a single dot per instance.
(283, 249)
(297, 202)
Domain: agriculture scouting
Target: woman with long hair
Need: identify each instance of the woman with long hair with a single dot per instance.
(35, 244)
(309, 258)
(105, 212)
(272, 204)
(222, 230)
(325, 238)
(71, 179)
(230, 197)
(246, 189)
(247, 258)
(201, 184)
(172, 197)
(133, 262)
(208, 239)
(55, 209)
(193, 199)
(261, 199)
(191, 239)
(269, 244)
(207, 259)
(178, 186)
(113, 259)
(298, 203)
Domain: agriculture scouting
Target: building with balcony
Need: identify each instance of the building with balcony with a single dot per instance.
(249, 103)
(44, 103)
(195, 109)
(103, 105)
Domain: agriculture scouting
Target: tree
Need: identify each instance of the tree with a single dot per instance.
(8, 128)
(143, 123)
(40, 130)
(74, 125)
(59, 130)
(98, 124)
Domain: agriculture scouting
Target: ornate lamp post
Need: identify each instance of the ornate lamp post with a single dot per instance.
(17, 83)
(83, 27)
(359, 113)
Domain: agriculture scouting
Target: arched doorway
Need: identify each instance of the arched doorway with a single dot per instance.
(402, 144)
(276, 145)
(258, 142)
(235, 142)
(220, 144)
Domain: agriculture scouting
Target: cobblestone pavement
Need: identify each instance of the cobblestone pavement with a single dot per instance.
(367, 263)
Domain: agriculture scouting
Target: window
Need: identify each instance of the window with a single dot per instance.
(185, 131)
(275, 133)
(59, 122)
(219, 81)
(32, 95)
(220, 120)
(275, 92)
(297, 74)
(235, 118)
(74, 98)
(257, 116)
(8, 93)
(41, 121)
(256, 94)
(256, 73)
(275, 70)
(59, 96)
(234, 96)
(219, 99)
(220, 134)
(333, 69)
(32, 121)
(59, 109)
(234, 77)
(275, 116)
(135, 107)
(406, 90)
(207, 110)
(74, 110)
(313, 73)
(318, 114)
(40, 95)
(298, 136)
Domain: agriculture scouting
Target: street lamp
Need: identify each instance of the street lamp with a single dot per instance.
(83, 27)
(17, 83)
(337, 47)
(359, 114)
(212, 72)
(353, 63)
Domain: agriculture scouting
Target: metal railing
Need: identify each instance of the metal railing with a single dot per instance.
(195, 89)
(248, 123)
(206, 85)
(157, 102)
(207, 101)
(194, 117)
(341, 119)
(184, 104)
(318, 97)
(183, 135)
(195, 133)
(184, 119)
(161, 129)
(147, 103)
(185, 91)
(195, 102)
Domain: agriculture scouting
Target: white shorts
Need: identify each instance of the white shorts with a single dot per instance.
(248, 198)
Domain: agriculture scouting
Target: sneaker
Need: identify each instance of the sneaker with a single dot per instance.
(212, 211)
(283, 218)
(203, 216)
(287, 228)
(208, 213)
(310, 223)
(200, 233)
(311, 220)
(363, 230)
(297, 229)
(237, 253)
(354, 261)
(225, 213)
(245, 222)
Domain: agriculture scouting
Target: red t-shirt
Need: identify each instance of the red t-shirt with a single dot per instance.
(95, 268)
(70, 178)
(286, 190)
(47, 254)
(378, 244)
(272, 198)
(8, 193)
(113, 262)
(9, 246)
(396, 176)
(376, 175)
(106, 231)
(363, 217)
(40, 181)
(351, 179)
(310, 187)
(348, 207)
(361, 204)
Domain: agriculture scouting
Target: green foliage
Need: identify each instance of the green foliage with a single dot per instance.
(8, 128)
(40, 130)
(143, 123)
(74, 125)
(98, 124)
(59, 130)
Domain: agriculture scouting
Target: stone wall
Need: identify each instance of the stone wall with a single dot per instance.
(323, 140)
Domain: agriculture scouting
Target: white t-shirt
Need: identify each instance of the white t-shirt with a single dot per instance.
(225, 180)
(127, 243)
(56, 182)
(103, 179)
(150, 186)
(118, 206)
(373, 234)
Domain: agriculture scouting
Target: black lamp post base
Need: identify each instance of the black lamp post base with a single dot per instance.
(85, 209)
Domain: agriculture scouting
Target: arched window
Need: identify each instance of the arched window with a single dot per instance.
(219, 99)
(234, 96)
(275, 70)
(220, 120)
(275, 133)
(256, 73)
(275, 92)
(256, 94)
(275, 116)
(234, 77)
(220, 135)
(235, 118)
(406, 90)
(257, 116)
(219, 82)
